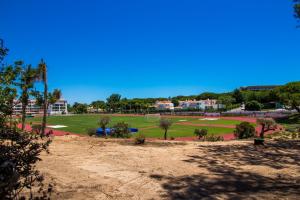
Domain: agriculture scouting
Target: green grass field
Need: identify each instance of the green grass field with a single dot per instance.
(80, 123)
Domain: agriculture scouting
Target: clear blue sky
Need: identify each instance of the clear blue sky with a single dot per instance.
(153, 48)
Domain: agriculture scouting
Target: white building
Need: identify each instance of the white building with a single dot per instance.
(164, 105)
(60, 107)
(31, 109)
(201, 104)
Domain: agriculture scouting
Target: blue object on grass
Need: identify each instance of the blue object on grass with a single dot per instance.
(109, 131)
(101, 132)
(133, 130)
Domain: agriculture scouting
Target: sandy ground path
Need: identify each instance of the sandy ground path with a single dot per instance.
(93, 168)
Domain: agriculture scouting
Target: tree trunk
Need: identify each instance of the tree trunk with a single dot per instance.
(262, 131)
(165, 134)
(104, 131)
(45, 105)
(24, 105)
(23, 117)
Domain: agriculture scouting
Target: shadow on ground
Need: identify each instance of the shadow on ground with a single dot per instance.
(225, 176)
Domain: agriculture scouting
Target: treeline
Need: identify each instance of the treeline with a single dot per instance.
(287, 96)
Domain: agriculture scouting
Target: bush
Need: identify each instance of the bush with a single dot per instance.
(244, 130)
(212, 138)
(91, 131)
(120, 130)
(200, 133)
(253, 106)
(20, 151)
(140, 139)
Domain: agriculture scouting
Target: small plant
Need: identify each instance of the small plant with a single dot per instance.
(103, 122)
(139, 139)
(120, 130)
(212, 138)
(244, 130)
(294, 135)
(172, 138)
(36, 128)
(200, 133)
(91, 131)
(165, 124)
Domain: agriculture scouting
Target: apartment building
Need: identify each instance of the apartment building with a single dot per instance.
(164, 105)
(59, 107)
(200, 104)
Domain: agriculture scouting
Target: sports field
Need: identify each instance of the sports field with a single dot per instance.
(182, 126)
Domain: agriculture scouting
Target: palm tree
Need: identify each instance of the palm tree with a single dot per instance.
(42, 76)
(48, 98)
(28, 77)
(53, 97)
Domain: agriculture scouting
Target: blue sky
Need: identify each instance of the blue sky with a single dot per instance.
(153, 48)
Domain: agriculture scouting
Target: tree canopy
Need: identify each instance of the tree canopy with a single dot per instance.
(297, 8)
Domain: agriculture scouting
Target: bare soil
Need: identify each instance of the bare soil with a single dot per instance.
(93, 168)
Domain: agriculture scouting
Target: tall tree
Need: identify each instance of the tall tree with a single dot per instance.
(80, 108)
(289, 95)
(238, 96)
(98, 104)
(226, 100)
(42, 75)
(113, 101)
(26, 84)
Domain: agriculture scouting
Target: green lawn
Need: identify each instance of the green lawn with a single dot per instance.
(80, 123)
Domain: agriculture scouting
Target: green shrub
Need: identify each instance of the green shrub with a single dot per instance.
(244, 130)
(20, 152)
(91, 131)
(200, 133)
(140, 139)
(253, 106)
(120, 130)
(212, 138)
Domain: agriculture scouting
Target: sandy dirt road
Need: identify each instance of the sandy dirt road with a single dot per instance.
(93, 168)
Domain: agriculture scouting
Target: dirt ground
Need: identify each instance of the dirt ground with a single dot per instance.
(93, 168)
